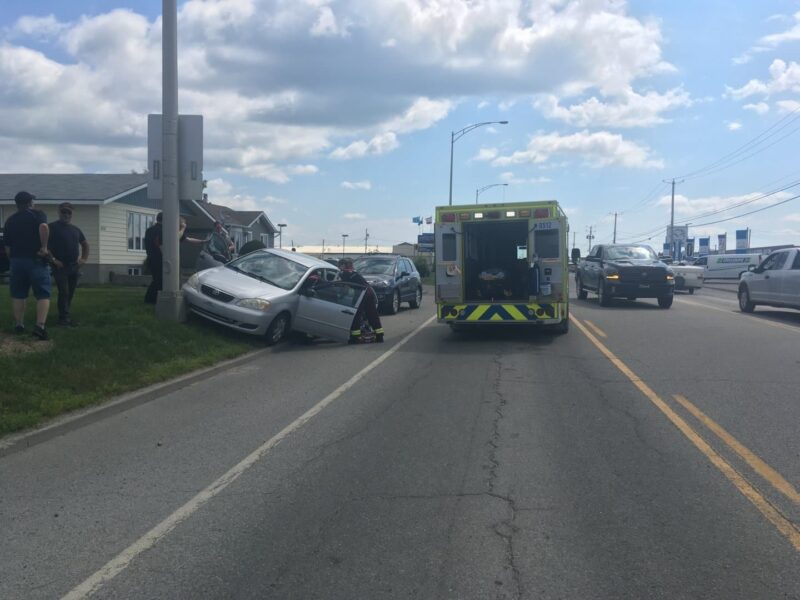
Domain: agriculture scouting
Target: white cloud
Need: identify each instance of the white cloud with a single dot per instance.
(37, 27)
(422, 114)
(787, 106)
(790, 35)
(327, 24)
(733, 125)
(783, 78)
(758, 108)
(629, 109)
(509, 177)
(356, 185)
(380, 144)
(486, 154)
(354, 216)
(597, 149)
(690, 207)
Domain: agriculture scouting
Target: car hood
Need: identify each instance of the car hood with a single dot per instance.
(636, 262)
(239, 285)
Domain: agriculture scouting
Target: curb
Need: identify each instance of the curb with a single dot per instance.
(80, 418)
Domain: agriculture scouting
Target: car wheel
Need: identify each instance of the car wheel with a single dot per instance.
(278, 329)
(745, 304)
(582, 293)
(602, 297)
(665, 301)
(394, 306)
(415, 303)
(691, 291)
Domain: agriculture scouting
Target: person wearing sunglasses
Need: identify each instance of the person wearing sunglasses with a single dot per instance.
(70, 250)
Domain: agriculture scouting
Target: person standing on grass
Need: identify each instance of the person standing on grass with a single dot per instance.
(70, 251)
(152, 245)
(26, 237)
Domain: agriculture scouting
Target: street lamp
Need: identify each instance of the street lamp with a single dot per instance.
(479, 191)
(457, 135)
(344, 235)
(280, 233)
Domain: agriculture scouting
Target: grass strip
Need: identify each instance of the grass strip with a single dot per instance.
(119, 346)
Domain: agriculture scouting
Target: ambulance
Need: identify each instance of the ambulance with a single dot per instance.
(502, 264)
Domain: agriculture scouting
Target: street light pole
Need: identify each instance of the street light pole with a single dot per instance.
(457, 135)
(344, 235)
(479, 191)
(280, 234)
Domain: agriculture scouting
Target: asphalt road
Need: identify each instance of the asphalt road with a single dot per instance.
(647, 454)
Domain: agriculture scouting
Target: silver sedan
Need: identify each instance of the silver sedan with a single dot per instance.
(269, 292)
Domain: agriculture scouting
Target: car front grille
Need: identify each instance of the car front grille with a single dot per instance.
(215, 293)
(643, 274)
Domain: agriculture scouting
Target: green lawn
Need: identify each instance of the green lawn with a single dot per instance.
(119, 346)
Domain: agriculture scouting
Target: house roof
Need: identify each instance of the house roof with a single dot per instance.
(77, 187)
(230, 216)
(251, 216)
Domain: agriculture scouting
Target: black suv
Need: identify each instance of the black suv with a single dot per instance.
(625, 270)
(394, 278)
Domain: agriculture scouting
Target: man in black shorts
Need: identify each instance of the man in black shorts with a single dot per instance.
(70, 251)
(26, 236)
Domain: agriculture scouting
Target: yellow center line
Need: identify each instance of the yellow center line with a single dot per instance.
(758, 465)
(754, 319)
(595, 328)
(781, 523)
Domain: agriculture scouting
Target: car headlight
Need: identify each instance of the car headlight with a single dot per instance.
(612, 274)
(254, 303)
(194, 281)
(670, 276)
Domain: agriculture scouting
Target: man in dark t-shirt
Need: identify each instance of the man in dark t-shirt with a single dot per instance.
(70, 250)
(25, 237)
(153, 241)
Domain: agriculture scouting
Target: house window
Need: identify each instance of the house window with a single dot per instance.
(134, 270)
(265, 239)
(137, 225)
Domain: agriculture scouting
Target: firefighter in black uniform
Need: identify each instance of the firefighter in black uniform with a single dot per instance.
(369, 303)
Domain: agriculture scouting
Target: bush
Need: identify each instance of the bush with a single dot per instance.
(422, 266)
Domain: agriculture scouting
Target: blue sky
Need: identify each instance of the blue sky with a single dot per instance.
(335, 116)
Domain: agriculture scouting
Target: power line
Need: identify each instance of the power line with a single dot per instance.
(752, 212)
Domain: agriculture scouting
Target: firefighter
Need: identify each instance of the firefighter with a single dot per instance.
(369, 303)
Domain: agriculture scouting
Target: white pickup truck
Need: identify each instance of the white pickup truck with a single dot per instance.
(688, 277)
(775, 282)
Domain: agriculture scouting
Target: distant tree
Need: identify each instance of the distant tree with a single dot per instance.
(422, 266)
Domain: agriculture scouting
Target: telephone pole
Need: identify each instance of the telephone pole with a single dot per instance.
(366, 239)
(574, 233)
(590, 237)
(615, 228)
(672, 217)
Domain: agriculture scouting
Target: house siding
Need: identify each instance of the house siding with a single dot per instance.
(114, 235)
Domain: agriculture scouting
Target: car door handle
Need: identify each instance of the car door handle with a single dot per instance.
(348, 312)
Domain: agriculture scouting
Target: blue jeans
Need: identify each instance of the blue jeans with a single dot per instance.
(27, 273)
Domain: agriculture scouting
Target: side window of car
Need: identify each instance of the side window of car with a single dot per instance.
(780, 260)
(702, 262)
(796, 264)
(769, 263)
(409, 267)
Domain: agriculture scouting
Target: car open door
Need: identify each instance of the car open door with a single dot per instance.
(327, 310)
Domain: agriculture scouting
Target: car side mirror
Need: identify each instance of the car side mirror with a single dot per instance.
(405, 274)
(752, 268)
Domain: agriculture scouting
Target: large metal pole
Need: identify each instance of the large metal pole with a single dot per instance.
(672, 224)
(452, 142)
(170, 303)
(615, 228)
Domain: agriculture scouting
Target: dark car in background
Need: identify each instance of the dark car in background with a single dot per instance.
(394, 278)
(625, 270)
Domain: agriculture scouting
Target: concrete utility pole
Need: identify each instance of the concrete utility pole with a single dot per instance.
(366, 239)
(344, 235)
(672, 218)
(170, 300)
(615, 228)
(590, 237)
(574, 233)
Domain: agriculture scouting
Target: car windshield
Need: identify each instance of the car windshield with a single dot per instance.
(374, 266)
(630, 252)
(270, 268)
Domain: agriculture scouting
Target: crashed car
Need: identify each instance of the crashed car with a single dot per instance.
(270, 292)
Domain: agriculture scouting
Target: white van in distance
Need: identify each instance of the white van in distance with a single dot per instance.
(727, 266)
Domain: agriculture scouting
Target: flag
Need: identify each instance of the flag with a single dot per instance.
(428, 220)
(417, 220)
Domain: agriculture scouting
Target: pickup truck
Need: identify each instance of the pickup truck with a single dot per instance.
(775, 282)
(625, 270)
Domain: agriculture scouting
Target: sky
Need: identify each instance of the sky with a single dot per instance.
(335, 116)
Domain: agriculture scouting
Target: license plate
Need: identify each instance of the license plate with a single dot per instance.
(644, 285)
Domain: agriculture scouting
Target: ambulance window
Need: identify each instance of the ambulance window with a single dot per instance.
(448, 246)
(546, 243)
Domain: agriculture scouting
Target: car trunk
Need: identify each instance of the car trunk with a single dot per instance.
(496, 261)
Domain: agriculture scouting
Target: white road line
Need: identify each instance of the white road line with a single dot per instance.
(119, 563)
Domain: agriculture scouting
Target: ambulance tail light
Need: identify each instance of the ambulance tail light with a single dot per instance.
(448, 217)
(541, 213)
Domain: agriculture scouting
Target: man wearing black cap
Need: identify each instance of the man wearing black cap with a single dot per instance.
(153, 240)
(26, 237)
(66, 241)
